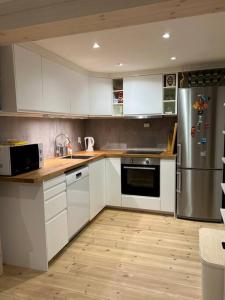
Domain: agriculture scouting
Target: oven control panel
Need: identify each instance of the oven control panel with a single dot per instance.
(140, 161)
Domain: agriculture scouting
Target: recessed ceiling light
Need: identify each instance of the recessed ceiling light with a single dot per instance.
(119, 64)
(173, 58)
(166, 35)
(96, 46)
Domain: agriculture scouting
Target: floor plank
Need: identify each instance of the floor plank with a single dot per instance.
(121, 255)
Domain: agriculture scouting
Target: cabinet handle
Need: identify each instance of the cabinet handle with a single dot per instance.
(78, 175)
(139, 168)
(178, 154)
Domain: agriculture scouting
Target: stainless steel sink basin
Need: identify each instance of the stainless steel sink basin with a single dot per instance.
(77, 157)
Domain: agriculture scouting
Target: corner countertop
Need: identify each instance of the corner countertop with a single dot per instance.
(57, 166)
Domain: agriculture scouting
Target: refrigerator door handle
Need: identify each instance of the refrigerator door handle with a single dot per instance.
(179, 182)
(178, 154)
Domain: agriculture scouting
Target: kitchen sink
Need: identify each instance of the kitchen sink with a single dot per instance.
(77, 157)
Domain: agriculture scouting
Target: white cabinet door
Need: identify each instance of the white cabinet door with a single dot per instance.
(79, 93)
(143, 95)
(168, 184)
(28, 80)
(141, 202)
(113, 181)
(55, 87)
(97, 187)
(100, 93)
(56, 234)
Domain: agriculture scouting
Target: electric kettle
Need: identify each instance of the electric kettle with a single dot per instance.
(89, 143)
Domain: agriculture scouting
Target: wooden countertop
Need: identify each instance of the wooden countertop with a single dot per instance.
(57, 166)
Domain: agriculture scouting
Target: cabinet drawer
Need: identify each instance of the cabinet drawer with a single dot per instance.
(140, 202)
(56, 234)
(54, 181)
(55, 190)
(55, 205)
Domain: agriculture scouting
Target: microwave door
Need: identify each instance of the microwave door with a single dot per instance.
(24, 159)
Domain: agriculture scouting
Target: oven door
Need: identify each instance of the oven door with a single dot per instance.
(141, 180)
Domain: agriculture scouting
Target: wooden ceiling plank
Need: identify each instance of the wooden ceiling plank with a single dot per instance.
(125, 17)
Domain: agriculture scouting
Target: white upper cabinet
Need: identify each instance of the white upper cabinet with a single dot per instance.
(55, 87)
(28, 79)
(143, 95)
(79, 93)
(100, 95)
(21, 79)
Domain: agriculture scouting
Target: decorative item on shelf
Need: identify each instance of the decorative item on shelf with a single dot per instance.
(118, 97)
(171, 80)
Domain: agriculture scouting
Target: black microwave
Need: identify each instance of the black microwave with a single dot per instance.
(15, 160)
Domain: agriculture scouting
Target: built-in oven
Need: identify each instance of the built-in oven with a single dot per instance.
(140, 176)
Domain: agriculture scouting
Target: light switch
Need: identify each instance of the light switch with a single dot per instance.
(146, 125)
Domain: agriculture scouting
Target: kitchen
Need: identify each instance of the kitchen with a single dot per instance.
(122, 185)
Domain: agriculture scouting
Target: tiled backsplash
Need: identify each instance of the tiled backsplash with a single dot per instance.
(38, 130)
(108, 133)
(128, 133)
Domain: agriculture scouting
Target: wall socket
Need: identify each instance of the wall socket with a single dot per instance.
(146, 125)
(79, 140)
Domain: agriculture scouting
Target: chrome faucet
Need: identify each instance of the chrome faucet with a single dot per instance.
(61, 148)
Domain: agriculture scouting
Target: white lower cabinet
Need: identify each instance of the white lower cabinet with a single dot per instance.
(168, 185)
(141, 202)
(33, 220)
(167, 199)
(97, 187)
(55, 205)
(113, 182)
(56, 234)
(55, 215)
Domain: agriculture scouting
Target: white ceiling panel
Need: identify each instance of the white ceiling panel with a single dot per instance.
(193, 40)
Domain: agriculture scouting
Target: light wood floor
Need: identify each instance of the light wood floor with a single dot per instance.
(121, 255)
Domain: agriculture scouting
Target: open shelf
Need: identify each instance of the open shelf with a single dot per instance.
(169, 87)
(169, 94)
(118, 97)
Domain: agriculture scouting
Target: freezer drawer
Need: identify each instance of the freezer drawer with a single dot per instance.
(199, 194)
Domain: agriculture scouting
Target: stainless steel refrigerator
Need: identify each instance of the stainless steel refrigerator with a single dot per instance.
(200, 147)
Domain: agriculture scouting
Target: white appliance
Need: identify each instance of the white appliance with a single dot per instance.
(77, 199)
(15, 160)
(89, 143)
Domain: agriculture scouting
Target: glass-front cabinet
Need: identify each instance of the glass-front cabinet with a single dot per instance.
(170, 94)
